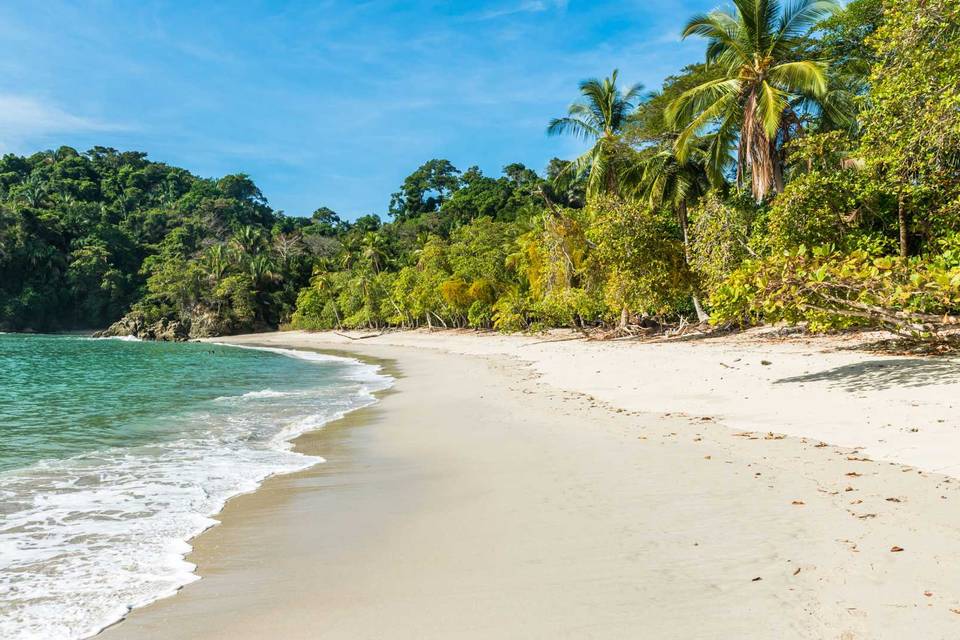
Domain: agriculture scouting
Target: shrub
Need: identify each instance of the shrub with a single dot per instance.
(829, 290)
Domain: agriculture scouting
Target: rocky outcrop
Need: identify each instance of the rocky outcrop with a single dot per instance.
(204, 323)
(133, 324)
(207, 324)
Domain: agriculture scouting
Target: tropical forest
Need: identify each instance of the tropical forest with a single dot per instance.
(806, 171)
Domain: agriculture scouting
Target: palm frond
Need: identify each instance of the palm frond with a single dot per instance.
(692, 101)
(771, 103)
(721, 107)
(719, 148)
(587, 113)
(804, 77)
(572, 126)
(749, 23)
(801, 15)
(721, 30)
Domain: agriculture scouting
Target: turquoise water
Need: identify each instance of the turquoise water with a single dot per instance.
(62, 396)
(114, 453)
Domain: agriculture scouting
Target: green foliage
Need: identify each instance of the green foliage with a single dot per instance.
(912, 127)
(642, 258)
(425, 190)
(823, 207)
(86, 236)
(721, 237)
(832, 290)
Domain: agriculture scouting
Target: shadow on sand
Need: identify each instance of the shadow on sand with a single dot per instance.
(873, 375)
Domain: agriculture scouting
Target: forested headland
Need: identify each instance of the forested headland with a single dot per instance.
(88, 237)
(807, 171)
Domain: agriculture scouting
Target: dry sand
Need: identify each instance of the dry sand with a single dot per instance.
(546, 495)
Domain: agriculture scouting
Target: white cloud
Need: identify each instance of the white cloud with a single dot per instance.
(23, 118)
(527, 6)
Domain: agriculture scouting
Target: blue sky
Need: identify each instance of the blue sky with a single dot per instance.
(326, 102)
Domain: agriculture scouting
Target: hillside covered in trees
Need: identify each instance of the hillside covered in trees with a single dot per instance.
(88, 237)
(807, 170)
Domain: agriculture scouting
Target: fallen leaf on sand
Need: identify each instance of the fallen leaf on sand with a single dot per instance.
(956, 611)
(774, 436)
(869, 515)
(798, 502)
(928, 593)
(856, 459)
(896, 549)
(765, 363)
(822, 444)
(853, 474)
(797, 571)
(856, 502)
(894, 500)
(757, 579)
(849, 489)
(707, 457)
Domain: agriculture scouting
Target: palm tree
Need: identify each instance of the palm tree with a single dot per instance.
(322, 282)
(248, 240)
(600, 117)
(664, 180)
(263, 271)
(759, 48)
(374, 250)
(215, 261)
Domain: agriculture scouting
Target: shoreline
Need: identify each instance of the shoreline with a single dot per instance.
(164, 494)
(833, 570)
(381, 368)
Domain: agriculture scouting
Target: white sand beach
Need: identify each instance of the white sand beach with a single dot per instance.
(538, 487)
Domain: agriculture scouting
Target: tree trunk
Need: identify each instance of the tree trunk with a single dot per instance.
(702, 315)
(777, 162)
(624, 317)
(902, 221)
(760, 153)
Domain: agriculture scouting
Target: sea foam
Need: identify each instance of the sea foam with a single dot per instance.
(85, 539)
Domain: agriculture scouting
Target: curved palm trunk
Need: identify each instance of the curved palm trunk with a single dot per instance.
(702, 315)
(760, 153)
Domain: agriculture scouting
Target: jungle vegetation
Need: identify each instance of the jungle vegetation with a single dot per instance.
(807, 170)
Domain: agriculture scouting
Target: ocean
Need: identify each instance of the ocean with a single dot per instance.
(114, 453)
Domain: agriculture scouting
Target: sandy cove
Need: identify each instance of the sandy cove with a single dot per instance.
(511, 487)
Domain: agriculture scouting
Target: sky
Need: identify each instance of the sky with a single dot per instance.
(322, 103)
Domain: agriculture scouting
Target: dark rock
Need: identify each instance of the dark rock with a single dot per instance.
(133, 324)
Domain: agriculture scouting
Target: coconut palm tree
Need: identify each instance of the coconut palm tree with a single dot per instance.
(765, 78)
(600, 117)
